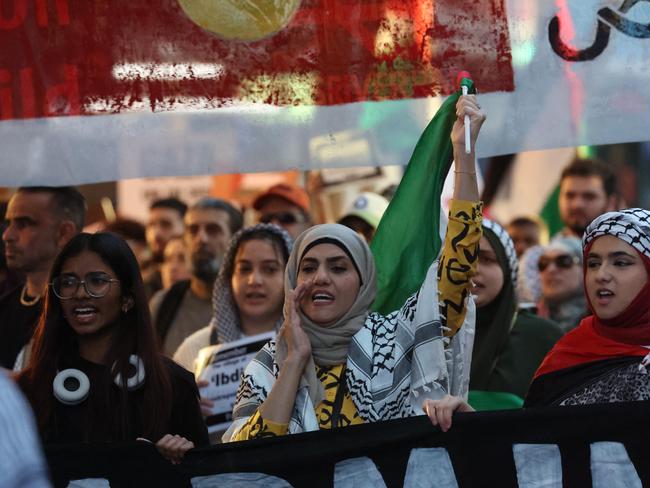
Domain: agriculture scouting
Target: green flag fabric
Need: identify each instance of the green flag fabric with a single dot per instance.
(550, 213)
(494, 400)
(408, 239)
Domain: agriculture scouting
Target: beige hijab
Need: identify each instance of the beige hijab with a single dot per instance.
(329, 344)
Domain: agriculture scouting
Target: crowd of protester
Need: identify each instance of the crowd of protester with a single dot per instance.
(103, 331)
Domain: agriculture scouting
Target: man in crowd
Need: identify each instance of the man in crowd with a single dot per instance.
(165, 222)
(364, 213)
(587, 190)
(285, 205)
(40, 221)
(527, 232)
(133, 232)
(186, 306)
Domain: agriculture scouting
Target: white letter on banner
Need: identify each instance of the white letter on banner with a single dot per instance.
(357, 473)
(611, 466)
(430, 468)
(538, 465)
(239, 480)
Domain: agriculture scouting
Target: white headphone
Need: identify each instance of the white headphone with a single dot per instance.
(136, 380)
(78, 392)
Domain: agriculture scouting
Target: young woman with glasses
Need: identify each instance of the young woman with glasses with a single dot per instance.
(95, 373)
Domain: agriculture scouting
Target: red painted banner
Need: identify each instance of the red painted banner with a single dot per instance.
(72, 57)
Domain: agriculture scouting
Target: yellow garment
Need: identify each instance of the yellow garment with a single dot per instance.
(458, 264)
(330, 378)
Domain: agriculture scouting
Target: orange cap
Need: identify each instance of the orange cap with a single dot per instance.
(292, 193)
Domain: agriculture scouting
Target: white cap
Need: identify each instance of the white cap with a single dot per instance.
(367, 206)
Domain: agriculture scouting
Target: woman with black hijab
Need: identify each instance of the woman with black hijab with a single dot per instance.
(509, 344)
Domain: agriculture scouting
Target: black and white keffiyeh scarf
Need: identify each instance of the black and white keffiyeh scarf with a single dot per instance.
(529, 288)
(508, 248)
(631, 225)
(394, 362)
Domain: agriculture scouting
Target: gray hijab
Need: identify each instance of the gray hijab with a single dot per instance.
(329, 344)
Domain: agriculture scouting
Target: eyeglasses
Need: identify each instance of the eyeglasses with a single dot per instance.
(96, 284)
(284, 218)
(564, 261)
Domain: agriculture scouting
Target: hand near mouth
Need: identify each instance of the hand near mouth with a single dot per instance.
(278, 406)
(298, 345)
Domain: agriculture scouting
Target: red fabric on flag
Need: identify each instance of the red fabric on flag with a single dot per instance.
(58, 57)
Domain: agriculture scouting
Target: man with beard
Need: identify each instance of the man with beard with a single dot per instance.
(39, 222)
(587, 190)
(187, 306)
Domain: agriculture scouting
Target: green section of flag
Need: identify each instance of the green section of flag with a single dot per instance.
(494, 400)
(551, 212)
(408, 237)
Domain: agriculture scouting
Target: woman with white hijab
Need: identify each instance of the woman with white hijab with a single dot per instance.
(335, 363)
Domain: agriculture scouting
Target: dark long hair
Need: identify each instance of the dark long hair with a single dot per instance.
(134, 334)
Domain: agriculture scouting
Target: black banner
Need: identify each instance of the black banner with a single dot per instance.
(604, 445)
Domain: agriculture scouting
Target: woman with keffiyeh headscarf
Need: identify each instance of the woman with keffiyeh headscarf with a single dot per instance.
(605, 358)
(257, 254)
(336, 363)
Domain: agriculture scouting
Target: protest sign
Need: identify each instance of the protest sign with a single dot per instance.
(222, 366)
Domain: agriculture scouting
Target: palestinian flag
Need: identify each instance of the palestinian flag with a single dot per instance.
(408, 238)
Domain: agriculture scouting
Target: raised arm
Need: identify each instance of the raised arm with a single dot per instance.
(460, 252)
(465, 185)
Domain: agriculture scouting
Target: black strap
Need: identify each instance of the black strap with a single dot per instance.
(214, 336)
(169, 307)
(338, 399)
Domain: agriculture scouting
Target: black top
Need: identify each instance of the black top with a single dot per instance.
(69, 422)
(17, 325)
(529, 341)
